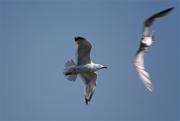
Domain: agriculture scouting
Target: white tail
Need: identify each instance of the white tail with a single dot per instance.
(68, 71)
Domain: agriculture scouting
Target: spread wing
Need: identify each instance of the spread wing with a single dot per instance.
(89, 79)
(139, 65)
(83, 51)
(151, 19)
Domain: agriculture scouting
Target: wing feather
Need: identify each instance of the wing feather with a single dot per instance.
(89, 79)
(83, 51)
(140, 68)
(148, 22)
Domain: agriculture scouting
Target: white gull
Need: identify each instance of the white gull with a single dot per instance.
(84, 67)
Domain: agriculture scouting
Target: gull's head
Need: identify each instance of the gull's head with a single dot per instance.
(99, 66)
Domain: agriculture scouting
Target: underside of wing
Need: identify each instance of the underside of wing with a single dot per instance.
(143, 74)
(83, 51)
(90, 85)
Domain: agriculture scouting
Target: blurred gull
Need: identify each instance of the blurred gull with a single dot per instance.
(84, 67)
(146, 42)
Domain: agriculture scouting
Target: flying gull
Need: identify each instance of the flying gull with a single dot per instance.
(84, 67)
(146, 41)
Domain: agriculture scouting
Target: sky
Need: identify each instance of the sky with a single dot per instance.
(37, 38)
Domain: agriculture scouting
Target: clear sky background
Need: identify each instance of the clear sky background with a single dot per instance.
(37, 38)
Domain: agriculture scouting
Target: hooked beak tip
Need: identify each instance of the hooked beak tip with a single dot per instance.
(105, 67)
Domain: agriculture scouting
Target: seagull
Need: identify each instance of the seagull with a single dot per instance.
(146, 41)
(84, 67)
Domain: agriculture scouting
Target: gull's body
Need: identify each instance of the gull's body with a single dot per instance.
(84, 67)
(146, 41)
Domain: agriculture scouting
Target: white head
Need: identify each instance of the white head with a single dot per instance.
(99, 66)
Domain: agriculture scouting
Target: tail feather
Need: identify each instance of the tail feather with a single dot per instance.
(68, 71)
(72, 77)
(69, 63)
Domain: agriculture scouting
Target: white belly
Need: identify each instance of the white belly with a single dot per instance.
(147, 40)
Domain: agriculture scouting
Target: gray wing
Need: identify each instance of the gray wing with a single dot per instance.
(83, 51)
(143, 74)
(151, 19)
(89, 79)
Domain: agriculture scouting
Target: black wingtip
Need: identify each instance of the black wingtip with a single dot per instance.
(170, 9)
(87, 101)
(78, 38)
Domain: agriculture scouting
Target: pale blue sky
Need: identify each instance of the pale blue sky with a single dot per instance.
(36, 39)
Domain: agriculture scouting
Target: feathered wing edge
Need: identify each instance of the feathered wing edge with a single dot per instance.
(143, 74)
